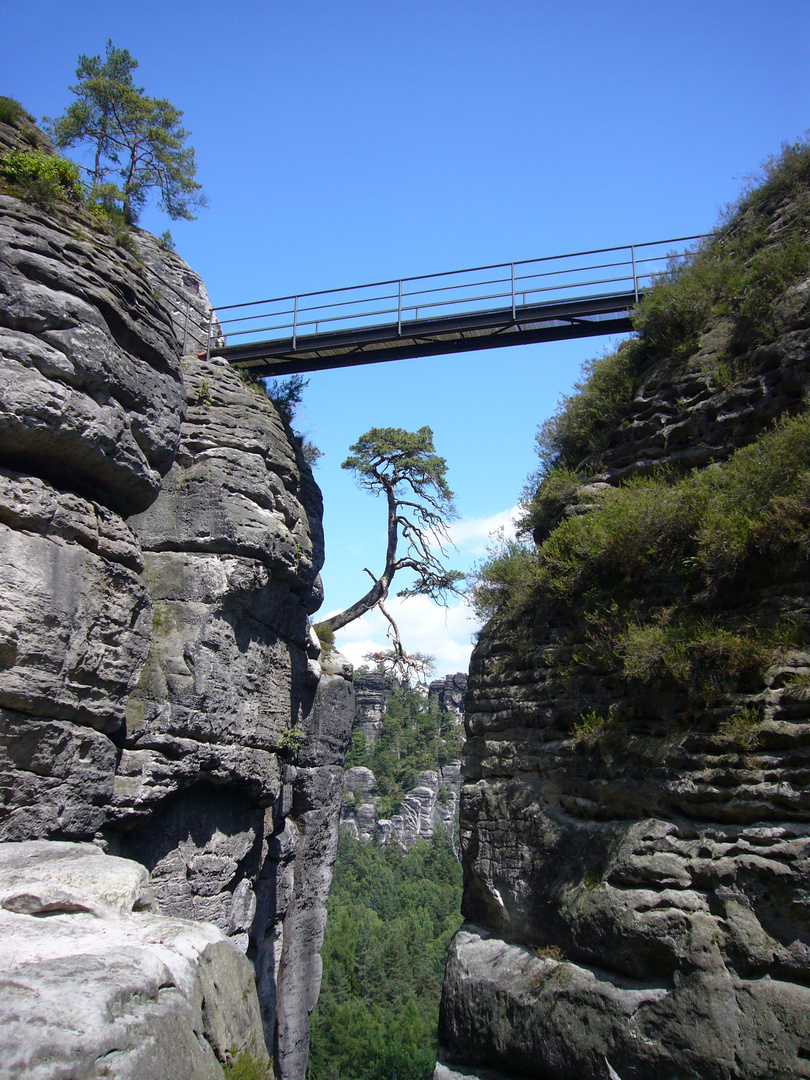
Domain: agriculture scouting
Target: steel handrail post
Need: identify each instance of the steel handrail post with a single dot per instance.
(399, 310)
(295, 323)
(210, 328)
(635, 274)
(513, 292)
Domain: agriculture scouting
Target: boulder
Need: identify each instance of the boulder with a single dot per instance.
(96, 983)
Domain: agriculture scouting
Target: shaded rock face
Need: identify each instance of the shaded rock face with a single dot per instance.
(95, 982)
(449, 693)
(162, 540)
(639, 905)
(371, 696)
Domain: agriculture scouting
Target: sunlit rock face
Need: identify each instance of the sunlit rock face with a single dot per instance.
(637, 907)
(243, 832)
(371, 696)
(162, 539)
(95, 982)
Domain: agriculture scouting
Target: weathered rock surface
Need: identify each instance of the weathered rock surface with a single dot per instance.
(638, 907)
(96, 983)
(448, 694)
(433, 801)
(371, 695)
(90, 385)
(161, 689)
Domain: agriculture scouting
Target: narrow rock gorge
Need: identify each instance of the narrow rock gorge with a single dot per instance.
(634, 815)
(162, 693)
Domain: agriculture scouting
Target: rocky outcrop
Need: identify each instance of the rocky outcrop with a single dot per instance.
(96, 983)
(635, 903)
(372, 692)
(448, 694)
(432, 804)
(433, 801)
(161, 690)
(90, 386)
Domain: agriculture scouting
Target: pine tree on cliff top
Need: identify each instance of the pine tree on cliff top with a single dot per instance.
(136, 139)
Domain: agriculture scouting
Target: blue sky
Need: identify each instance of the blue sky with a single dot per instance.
(340, 143)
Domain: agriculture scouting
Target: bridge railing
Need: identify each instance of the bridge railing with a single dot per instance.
(511, 288)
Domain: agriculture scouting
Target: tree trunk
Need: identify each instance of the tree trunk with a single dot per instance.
(379, 590)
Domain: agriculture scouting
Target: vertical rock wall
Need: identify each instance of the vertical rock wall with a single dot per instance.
(638, 907)
(160, 686)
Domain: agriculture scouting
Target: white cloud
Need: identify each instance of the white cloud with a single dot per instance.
(424, 626)
(445, 633)
(471, 535)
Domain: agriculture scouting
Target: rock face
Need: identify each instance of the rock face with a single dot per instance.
(449, 693)
(96, 983)
(429, 805)
(161, 689)
(371, 696)
(433, 801)
(637, 907)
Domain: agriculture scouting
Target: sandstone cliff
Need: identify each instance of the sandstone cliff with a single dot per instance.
(161, 690)
(431, 804)
(635, 819)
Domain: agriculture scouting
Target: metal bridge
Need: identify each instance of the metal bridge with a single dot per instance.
(562, 296)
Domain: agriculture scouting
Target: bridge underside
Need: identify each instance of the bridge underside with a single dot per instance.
(431, 337)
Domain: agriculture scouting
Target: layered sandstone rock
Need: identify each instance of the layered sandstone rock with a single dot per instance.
(432, 804)
(96, 983)
(161, 689)
(635, 905)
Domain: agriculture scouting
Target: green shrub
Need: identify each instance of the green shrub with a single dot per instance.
(675, 311)
(542, 509)
(246, 1067)
(325, 635)
(634, 568)
(504, 583)
(592, 729)
(780, 177)
(743, 729)
(584, 419)
(43, 178)
(292, 739)
(767, 277)
(12, 112)
(693, 653)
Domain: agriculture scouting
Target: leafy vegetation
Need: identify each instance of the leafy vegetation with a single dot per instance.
(245, 1067)
(292, 739)
(12, 112)
(390, 919)
(43, 178)
(414, 736)
(133, 138)
(741, 272)
(650, 571)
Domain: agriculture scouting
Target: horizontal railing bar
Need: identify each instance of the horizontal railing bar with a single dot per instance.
(444, 303)
(467, 270)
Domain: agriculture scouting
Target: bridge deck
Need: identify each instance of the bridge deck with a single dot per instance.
(431, 337)
(563, 296)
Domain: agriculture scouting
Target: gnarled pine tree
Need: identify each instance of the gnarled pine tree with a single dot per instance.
(404, 466)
